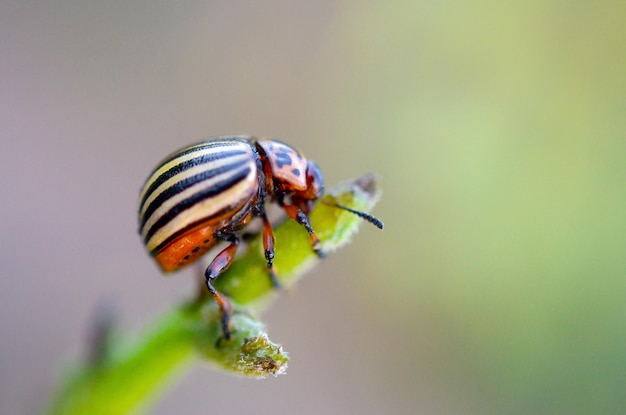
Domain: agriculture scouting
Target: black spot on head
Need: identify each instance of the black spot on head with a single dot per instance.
(296, 172)
(206, 241)
(187, 257)
(283, 159)
(196, 249)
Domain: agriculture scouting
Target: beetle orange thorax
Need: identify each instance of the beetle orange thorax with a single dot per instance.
(285, 168)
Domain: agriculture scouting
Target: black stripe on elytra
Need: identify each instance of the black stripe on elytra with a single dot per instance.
(218, 142)
(186, 165)
(180, 232)
(185, 184)
(222, 142)
(195, 198)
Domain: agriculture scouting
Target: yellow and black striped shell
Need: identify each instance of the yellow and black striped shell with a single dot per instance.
(209, 188)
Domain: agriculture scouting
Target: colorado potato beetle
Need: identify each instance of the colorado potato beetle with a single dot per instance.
(208, 192)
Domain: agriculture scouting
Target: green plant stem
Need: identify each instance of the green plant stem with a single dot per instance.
(126, 373)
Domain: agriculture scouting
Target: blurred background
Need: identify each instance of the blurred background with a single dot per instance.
(498, 131)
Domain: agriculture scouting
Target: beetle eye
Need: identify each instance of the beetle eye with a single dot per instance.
(314, 181)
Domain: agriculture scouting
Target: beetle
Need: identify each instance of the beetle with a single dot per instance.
(208, 192)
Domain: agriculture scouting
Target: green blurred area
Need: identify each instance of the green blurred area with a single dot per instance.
(499, 130)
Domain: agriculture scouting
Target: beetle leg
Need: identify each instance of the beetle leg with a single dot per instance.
(268, 246)
(220, 264)
(299, 216)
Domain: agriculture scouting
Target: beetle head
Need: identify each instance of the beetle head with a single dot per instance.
(289, 174)
(314, 188)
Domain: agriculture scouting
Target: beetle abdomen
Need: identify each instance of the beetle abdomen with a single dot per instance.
(194, 188)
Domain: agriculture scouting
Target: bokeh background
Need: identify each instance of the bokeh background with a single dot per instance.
(498, 130)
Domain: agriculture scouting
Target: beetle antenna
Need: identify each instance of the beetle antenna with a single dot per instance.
(370, 218)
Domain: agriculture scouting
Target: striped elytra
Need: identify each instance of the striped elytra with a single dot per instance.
(193, 193)
(208, 192)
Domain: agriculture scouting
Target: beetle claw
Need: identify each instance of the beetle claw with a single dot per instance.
(275, 282)
(226, 327)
